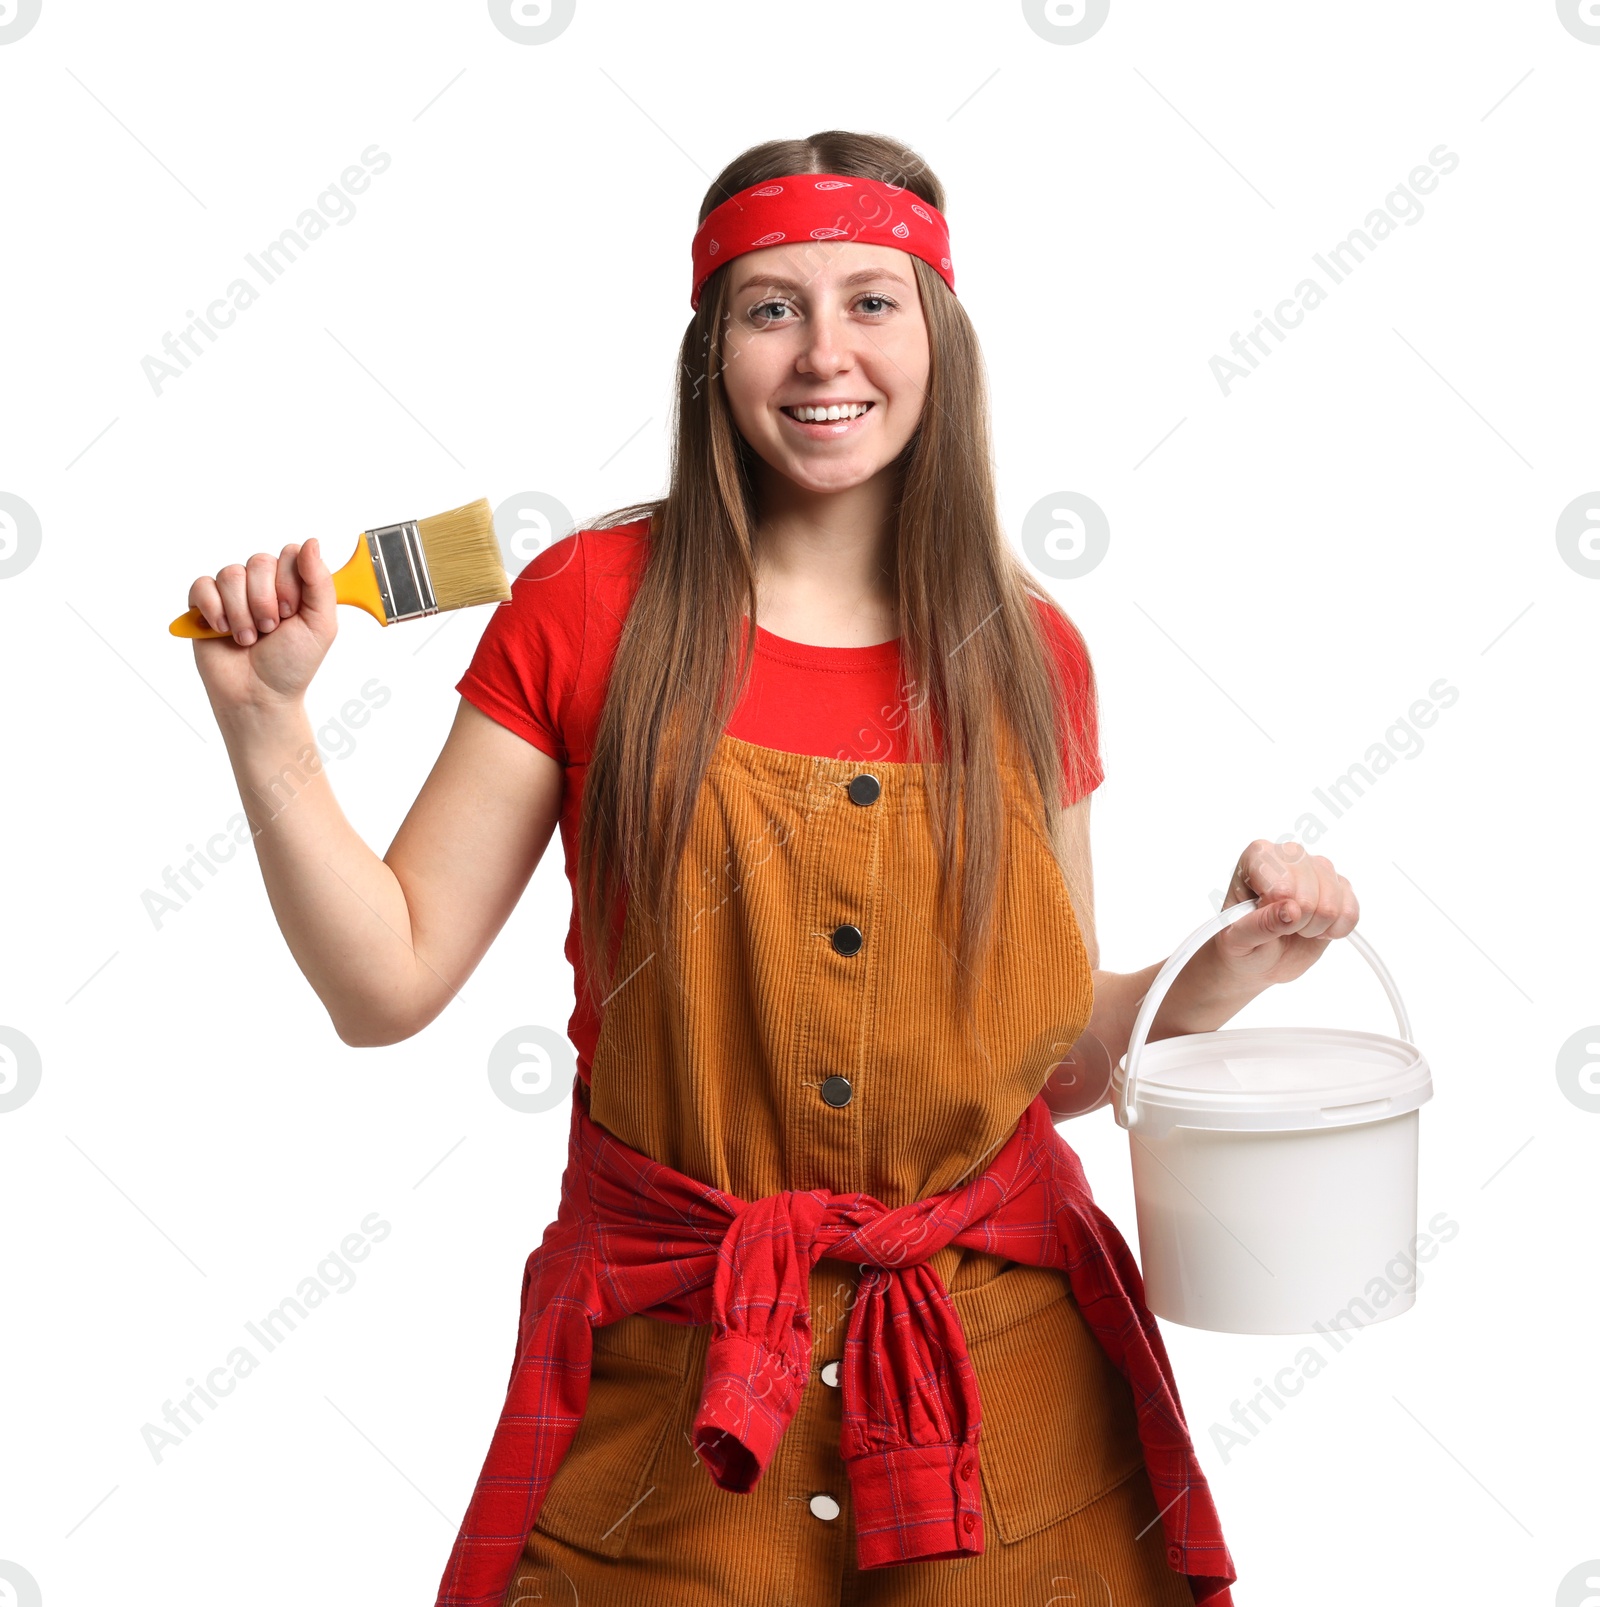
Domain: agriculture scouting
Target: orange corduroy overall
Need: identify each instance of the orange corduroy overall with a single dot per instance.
(811, 1041)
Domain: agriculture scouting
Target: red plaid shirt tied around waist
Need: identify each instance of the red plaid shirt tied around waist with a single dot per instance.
(632, 1235)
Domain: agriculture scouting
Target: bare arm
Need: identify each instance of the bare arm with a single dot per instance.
(1202, 996)
(385, 943)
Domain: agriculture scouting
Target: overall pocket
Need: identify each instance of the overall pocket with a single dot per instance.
(635, 1383)
(1059, 1423)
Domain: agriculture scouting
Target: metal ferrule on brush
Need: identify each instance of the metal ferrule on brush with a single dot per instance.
(402, 571)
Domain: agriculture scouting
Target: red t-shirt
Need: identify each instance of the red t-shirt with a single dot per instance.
(543, 662)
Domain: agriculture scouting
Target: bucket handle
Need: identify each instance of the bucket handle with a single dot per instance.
(1127, 1110)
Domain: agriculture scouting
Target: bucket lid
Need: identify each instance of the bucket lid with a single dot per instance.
(1240, 1079)
(1260, 1079)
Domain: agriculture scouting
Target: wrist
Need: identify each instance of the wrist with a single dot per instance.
(262, 719)
(1204, 995)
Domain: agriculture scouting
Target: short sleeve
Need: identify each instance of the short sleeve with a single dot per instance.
(1082, 770)
(525, 667)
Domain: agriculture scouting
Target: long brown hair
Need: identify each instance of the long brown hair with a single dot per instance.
(973, 659)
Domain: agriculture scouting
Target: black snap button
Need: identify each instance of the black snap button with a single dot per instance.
(836, 1090)
(864, 789)
(847, 939)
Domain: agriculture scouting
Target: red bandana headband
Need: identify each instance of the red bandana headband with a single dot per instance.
(821, 206)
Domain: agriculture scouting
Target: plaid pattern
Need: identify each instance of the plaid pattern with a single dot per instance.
(632, 1235)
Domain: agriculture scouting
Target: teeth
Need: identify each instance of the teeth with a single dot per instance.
(817, 415)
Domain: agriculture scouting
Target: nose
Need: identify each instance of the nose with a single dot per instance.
(826, 350)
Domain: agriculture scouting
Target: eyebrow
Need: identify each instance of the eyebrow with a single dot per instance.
(860, 277)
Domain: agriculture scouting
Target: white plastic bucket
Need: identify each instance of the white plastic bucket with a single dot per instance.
(1274, 1168)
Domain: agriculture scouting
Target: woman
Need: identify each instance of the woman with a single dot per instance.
(830, 987)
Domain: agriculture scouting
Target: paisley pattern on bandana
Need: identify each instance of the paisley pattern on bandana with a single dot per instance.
(821, 206)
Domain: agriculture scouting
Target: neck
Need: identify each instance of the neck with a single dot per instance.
(824, 561)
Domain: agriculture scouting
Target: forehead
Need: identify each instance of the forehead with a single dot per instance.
(818, 266)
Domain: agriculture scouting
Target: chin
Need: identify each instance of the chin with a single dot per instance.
(843, 478)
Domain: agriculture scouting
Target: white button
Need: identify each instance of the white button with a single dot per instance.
(824, 1506)
(830, 1374)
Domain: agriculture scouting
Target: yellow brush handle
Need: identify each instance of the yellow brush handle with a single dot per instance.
(355, 583)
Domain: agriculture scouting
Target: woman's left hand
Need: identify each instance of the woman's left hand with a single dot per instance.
(1304, 903)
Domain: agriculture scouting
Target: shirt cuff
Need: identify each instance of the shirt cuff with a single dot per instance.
(916, 1503)
(749, 1397)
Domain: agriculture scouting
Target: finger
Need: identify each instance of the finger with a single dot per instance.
(205, 596)
(1239, 888)
(1254, 874)
(261, 588)
(1286, 873)
(287, 581)
(1318, 895)
(1274, 920)
(1349, 910)
(1301, 891)
(230, 583)
(317, 594)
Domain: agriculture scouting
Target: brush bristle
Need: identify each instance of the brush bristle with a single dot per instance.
(463, 557)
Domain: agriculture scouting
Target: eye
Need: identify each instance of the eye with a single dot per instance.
(765, 314)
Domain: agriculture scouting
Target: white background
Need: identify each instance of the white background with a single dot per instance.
(1290, 567)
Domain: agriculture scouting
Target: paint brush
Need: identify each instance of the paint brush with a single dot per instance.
(410, 570)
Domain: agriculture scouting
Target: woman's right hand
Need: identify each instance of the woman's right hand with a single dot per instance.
(282, 619)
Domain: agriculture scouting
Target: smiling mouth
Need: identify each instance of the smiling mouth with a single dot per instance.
(839, 414)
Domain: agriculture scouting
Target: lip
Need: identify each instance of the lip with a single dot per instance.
(827, 429)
